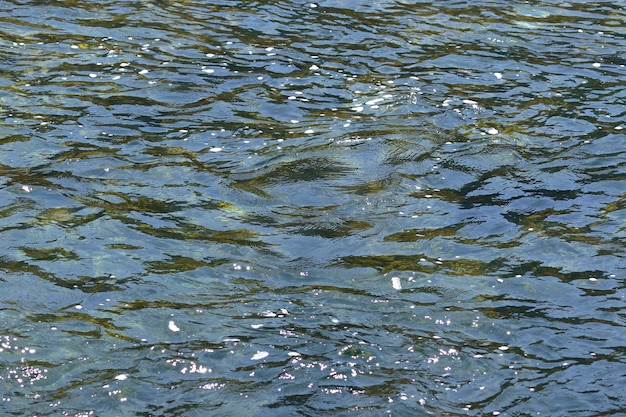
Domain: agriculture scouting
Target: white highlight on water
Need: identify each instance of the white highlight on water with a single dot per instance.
(173, 327)
(259, 355)
(395, 283)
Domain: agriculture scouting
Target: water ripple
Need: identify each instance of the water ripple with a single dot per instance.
(312, 208)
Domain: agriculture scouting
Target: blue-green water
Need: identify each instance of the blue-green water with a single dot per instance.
(288, 208)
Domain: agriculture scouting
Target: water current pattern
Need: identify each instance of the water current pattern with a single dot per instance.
(329, 208)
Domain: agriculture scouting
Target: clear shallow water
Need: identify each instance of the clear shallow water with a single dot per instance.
(293, 208)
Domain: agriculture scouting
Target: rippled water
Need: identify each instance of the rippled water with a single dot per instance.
(290, 208)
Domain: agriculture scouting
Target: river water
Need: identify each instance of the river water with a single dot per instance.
(289, 208)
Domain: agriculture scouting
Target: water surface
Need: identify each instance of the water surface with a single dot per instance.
(292, 208)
